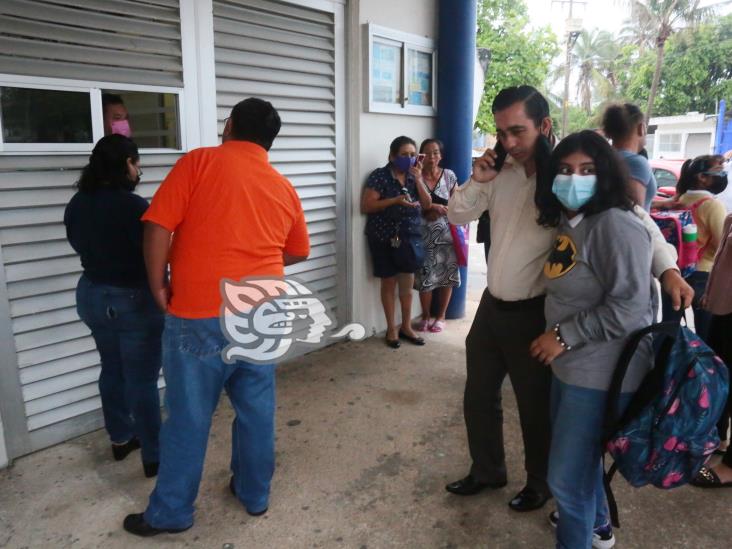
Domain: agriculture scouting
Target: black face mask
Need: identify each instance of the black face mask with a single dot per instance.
(719, 184)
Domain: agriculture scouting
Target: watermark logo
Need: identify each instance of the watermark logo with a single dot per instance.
(268, 319)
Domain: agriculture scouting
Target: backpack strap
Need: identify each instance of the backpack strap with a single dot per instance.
(694, 207)
(612, 505)
(668, 331)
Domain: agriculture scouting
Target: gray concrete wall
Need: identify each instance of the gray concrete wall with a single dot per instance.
(371, 133)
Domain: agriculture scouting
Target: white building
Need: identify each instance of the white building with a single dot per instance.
(683, 136)
(180, 66)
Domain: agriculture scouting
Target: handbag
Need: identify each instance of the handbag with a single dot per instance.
(408, 252)
(460, 244)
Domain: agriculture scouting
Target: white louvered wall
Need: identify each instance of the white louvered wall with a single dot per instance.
(125, 41)
(286, 55)
(57, 359)
(129, 41)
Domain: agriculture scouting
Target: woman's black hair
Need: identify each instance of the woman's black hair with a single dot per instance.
(692, 168)
(108, 164)
(537, 109)
(398, 143)
(620, 120)
(612, 178)
(430, 141)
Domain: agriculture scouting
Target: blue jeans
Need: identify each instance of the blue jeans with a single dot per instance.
(575, 462)
(126, 326)
(195, 375)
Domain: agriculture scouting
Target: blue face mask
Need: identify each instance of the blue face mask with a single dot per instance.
(574, 191)
(403, 163)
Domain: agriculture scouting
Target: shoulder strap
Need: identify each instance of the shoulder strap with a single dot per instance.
(454, 183)
(666, 333)
(693, 208)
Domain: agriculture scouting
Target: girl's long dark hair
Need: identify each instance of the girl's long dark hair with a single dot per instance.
(612, 178)
(108, 164)
(692, 168)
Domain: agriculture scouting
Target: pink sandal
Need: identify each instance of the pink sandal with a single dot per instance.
(437, 326)
(422, 326)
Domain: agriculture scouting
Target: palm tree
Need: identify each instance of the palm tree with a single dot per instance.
(665, 17)
(594, 55)
(639, 33)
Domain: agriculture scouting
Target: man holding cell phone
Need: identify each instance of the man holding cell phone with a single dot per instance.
(511, 311)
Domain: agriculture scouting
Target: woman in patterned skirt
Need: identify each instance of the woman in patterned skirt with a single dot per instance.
(440, 270)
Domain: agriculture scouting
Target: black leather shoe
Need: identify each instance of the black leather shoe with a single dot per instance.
(468, 486)
(135, 524)
(529, 499)
(121, 451)
(232, 489)
(414, 340)
(151, 468)
(393, 343)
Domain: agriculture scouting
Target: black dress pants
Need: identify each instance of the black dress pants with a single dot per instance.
(720, 340)
(498, 345)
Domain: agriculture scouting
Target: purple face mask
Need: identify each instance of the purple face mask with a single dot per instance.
(122, 127)
(403, 163)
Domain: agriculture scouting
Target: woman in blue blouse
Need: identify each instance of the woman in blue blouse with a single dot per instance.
(393, 201)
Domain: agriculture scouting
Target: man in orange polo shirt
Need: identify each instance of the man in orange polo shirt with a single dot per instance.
(231, 215)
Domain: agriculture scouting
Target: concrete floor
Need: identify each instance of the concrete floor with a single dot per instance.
(367, 437)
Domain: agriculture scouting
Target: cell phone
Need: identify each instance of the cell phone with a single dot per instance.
(500, 156)
(420, 158)
(405, 192)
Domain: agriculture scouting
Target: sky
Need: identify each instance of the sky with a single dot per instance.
(602, 14)
(605, 14)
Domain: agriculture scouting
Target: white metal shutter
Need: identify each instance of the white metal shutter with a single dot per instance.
(285, 54)
(58, 364)
(130, 41)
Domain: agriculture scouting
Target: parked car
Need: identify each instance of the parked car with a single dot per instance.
(667, 173)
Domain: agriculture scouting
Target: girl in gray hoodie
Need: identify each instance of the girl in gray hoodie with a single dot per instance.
(599, 291)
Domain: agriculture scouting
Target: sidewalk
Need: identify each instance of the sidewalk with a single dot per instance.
(367, 439)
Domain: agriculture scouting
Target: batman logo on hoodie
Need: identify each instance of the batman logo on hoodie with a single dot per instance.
(561, 259)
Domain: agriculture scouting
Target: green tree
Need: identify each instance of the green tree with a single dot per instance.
(666, 16)
(697, 71)
(518, 54)
(639, 33)
(594, 56)
(577, 118)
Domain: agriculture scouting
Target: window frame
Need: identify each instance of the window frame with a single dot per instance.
(94, 89)
(406, 42)
(670, 136)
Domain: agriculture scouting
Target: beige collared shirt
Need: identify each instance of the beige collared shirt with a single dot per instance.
(519, 246)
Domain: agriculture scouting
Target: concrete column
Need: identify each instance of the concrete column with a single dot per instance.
(456, 70)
